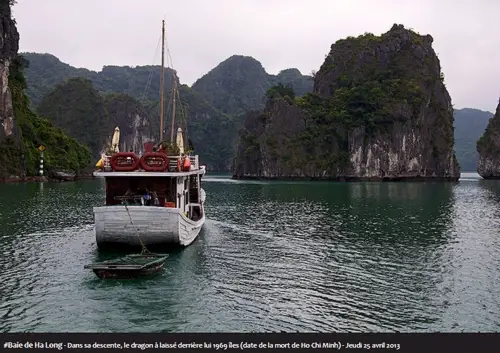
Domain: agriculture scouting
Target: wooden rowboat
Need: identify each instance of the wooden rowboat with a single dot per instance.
(129, 267)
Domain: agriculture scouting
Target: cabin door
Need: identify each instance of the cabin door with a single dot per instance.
(181, 193)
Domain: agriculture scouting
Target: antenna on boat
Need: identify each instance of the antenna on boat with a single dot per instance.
(162, 75)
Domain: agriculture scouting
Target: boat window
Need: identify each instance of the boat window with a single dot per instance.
(155, 191)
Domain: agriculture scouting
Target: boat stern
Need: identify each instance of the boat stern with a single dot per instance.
(120, 225)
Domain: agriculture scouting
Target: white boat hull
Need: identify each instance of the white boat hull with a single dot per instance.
(156, 226)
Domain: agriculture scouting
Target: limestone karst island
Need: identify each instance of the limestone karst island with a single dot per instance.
(240, 166)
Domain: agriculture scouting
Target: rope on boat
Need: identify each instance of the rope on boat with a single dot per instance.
(144, 249)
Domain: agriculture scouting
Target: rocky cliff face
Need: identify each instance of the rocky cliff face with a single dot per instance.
(127, 113)
(264, 145)
(379, 110)
(9, 45)
(488, 148)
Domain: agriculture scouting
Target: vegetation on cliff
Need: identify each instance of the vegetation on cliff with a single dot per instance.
(21, 130)
(19, 155)
(379, 109)
(485, 145)
(488, 147)
(78, 109)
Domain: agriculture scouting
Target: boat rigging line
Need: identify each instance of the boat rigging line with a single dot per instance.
(144, 249)
(174, 95)
(150, 76)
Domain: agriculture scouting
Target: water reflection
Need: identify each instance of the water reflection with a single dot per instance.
(396, 231)
(471, 260)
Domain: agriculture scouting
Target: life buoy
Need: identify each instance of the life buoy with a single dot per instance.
(154, 161)
(124, 161)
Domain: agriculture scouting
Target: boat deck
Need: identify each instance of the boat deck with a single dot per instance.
(140, 173)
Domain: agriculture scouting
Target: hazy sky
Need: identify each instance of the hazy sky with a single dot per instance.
(279, 33)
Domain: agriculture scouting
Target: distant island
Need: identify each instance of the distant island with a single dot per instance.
(470, 125)
(73, 111)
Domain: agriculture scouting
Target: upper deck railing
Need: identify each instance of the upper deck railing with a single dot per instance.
(173, 163)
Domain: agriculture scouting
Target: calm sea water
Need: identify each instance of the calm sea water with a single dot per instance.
(273, 256)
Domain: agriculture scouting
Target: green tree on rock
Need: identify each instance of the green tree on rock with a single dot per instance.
(280, 90)
(76, 107)
(61, 151)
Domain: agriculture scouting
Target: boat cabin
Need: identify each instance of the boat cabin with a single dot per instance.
(171, 188)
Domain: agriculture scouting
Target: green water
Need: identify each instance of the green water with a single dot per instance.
(272, 256)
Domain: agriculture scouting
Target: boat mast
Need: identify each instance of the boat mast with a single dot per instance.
(162, 75)
(173, 107)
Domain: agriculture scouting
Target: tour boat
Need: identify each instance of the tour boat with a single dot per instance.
(153, 198)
